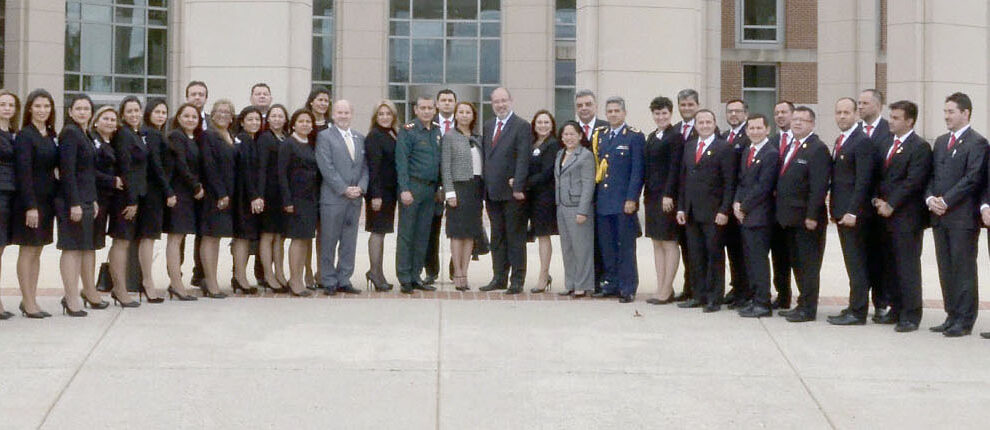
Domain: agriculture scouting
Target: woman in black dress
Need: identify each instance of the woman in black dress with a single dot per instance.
(299, 178)
(541, 205)
(158, 195)
(379, 215)
(76, 205)
(662, 158)
(182, 164)
(248, 195)
(36, 156)
(108, 182)
(218, 174)
(271, 247)
(461, 170)
(318, 103)
(9, 107)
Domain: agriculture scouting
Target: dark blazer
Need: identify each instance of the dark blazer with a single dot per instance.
(76, 166)
(250, 175)
(509, 158)
(7, 176)
(680, 126)
(775, 141)
(853, 173)
(802, 187)
(958, 176)
(662, 160)
(183, 163)
(598, 123)
(379, 152)
(267, 151)
(708, 187)
(624, 157)
(299, 176)
(37, 158)
(106, 171)
(218, 165)
(137, 164)
(539, 182)
(881, 137)
(902, 184)
(755, 189)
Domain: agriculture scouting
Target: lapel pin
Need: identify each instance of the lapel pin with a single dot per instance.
(709, 152)
(842, 157)
(805, 145)
(899, 150)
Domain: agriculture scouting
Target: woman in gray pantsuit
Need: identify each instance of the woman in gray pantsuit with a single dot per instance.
(574, 171)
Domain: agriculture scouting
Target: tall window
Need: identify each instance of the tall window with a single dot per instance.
(323, 43)
(444, 42)
(760, 88)
(3, 29)
(116, 47)
(758, 20)
(565, 41)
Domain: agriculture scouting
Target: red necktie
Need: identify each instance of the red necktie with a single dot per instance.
(587, 131)
(783, 147)
(952, 142)
(893, 150)
(498, 131)
(732, 136)
(699, 151)
(752, 153)
(838, 145)
(446, 126)
(684, 132)
(869, 130)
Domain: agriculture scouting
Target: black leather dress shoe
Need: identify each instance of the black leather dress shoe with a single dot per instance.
(781, 303)
(905, 327)
(327, 291)
(755, 311)
(941, 327)
(711, 308)
(730, 297)
(627, 299)
(602, 294)
(430, 280)
(847, 319)
(985, 335)
(800, 316)
(957, 330)
(349, 289)
(683, 296)
(787, 312)
(517, 289)
(406, 288)
(690, 303)
(492, 286)
(423, 287)
(739, 304)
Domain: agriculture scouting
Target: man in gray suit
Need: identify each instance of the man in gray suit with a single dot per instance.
(340, 156)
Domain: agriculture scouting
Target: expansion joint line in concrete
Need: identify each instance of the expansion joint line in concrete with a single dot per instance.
(794, 369)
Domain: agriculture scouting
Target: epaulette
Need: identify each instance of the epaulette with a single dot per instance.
(633, 129)
(604, 127)
(410, 126)
(436, 123)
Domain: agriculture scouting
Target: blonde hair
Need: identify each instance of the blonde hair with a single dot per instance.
(391, 108)
(96, 118)
(223, 102)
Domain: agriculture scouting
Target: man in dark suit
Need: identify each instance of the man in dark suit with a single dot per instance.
(853, 161)
(905, 167)
(779, 253)
(736, 111)
(706, 193)
(619, 177)
(446, 100)
(506, 141)
(586, 110)
(954, 198)
(687, 106)
(801, 189)
(753, 209)
(877, 129)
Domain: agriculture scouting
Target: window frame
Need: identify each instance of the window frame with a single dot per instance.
(741, 27)
(331, 19)
(562, 45)
(775, 90)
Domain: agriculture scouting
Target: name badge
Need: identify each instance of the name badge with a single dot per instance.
(623, 147)
(96, 142)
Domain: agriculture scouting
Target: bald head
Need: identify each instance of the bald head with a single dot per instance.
(342, 114)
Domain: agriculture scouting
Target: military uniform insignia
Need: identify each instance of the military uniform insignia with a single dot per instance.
(410, 126)
(632, 129)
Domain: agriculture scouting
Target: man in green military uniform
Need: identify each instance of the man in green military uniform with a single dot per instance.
(417, 162)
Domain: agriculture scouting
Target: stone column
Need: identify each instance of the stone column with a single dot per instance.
(361, 65)
(227, 45)
(35, 48)
(848, 41)
(934, 50)
(676, 45)
(528, 54)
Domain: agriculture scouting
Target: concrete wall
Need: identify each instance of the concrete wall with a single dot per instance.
(361, 64)
(528, 54)
(34, 48)
(847, 55)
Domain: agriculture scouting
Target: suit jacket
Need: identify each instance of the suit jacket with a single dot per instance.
(662, 165)
(902, 184)
(881, 136)
(456, 159)
(183, 165)
(757, 182)
(853, 173)
(708, 186)
(680, 127)
(218, 167)
(508, 158)
(338, 169)
(575, 180)
(379, 152)
(802, 186)
(37, 159)
(76, 166)
(7, 181)
(539, 182)
(598, 124)
(958, 177)
(298, 173)
(622, 180)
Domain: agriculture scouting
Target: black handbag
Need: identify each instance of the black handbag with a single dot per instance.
(104, 283)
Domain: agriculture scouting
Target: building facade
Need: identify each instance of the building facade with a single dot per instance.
(808, 51)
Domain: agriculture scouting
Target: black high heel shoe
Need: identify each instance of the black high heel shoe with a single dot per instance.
(130, 304)
(70, 312)
(102, 304)
(546, 287)
(282, 289)
(142, 291)
(188, 298)
(207, 293)
(378, 285)
(6, 315)
(33, 315)
(235, 285)
(303, 293)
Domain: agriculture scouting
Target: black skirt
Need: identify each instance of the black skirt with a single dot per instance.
(151, 215)
(121, 228)
(247, 225)
(464, 221)
(41, 236)
(381, 221)
(301, 224)
(542, 212)
(660, 225)
(75, 236)
(214, 222)
(100, 223)
(181, 218)
(6, 213)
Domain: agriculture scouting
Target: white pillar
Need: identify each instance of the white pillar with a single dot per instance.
(34, 45)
